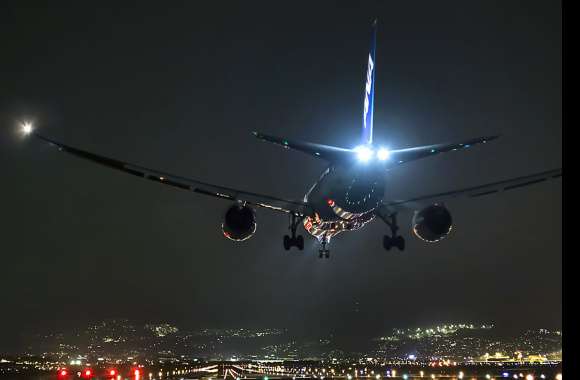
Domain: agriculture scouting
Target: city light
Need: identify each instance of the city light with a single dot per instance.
(529, 377)
(461, 375)
(559, 376)
(363, 153)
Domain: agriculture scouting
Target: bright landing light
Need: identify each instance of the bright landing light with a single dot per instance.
(27, 128)
(383, 154)
(363, 153)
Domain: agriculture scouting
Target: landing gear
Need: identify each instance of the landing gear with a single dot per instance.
(324, 252)
(294, 241)
(394, 240)
(397, 241)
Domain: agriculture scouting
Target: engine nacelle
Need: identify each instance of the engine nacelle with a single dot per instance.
(432, 223)
(239, 223)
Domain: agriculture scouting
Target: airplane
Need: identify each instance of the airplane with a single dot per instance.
(348, 195)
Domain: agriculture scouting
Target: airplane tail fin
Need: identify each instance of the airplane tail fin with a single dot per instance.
(369, 94)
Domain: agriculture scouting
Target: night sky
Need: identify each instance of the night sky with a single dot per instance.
(179, 87)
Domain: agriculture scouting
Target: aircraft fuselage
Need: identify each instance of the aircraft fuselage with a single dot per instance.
(343, 199)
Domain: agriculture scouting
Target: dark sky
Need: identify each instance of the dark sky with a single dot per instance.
(180, 88)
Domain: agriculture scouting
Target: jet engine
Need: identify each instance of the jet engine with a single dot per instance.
(239, 223)
(432, 223)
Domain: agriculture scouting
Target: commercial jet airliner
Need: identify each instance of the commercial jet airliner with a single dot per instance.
(349, 194)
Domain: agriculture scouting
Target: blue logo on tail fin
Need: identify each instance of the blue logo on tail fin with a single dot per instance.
(367, 132)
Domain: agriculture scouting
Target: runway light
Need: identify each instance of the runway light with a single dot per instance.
(27, 128)
(383, 154)
(363, 153)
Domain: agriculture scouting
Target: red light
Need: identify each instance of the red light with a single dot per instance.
(330, 202)
(136, 372)
(88, 373)
(63, 372)
(112, 372)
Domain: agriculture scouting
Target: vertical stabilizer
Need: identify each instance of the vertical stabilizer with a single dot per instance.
(367, 130)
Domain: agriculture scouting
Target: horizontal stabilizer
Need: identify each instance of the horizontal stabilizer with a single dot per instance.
(395, 157)
(327, 152)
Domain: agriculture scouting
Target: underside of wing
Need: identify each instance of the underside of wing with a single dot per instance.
(477, 191)
(261, 200)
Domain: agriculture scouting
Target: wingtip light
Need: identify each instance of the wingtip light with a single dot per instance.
(27, 128)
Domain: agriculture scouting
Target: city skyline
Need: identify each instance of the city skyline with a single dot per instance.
(462, 342)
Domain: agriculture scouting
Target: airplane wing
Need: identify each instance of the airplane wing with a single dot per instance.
(273, 203)
(476, 191)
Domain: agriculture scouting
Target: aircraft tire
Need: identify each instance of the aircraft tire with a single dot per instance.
(287, 244)
(387, 242)
(300, 242)
(399, 243)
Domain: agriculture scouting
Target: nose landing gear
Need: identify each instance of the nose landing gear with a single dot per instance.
(294, 241)
(323, 251)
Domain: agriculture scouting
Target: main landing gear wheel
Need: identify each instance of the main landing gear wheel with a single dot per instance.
(394, 240)
(294, 241)
(397, 241)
